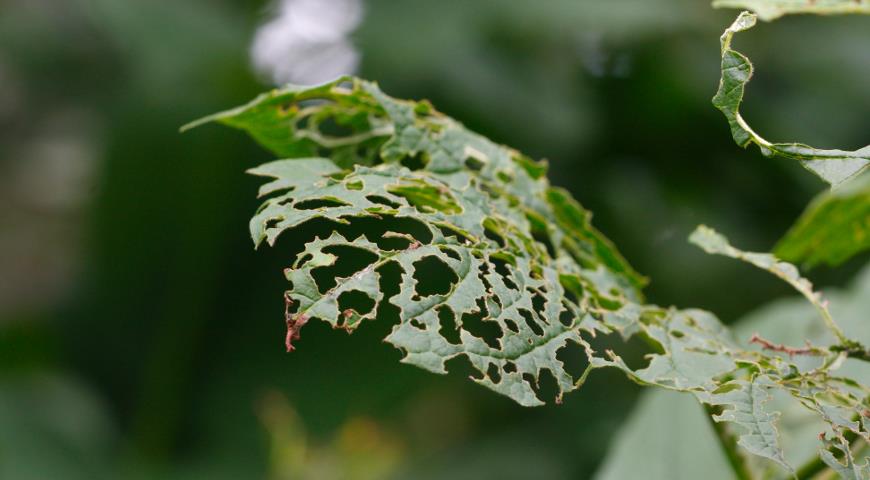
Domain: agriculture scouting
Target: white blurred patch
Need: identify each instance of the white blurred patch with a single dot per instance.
(307, 41)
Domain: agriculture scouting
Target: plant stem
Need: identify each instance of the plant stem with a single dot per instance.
(736, 459)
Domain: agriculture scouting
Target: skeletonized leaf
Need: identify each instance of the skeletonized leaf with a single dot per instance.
(666, 438)
(834, 166)
(745, 405)
(408, 187)
(714, 243)
(834, 227)
(773, 9)
(845, 466)
(463, 244)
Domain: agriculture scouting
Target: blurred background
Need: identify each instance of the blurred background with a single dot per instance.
(141, 336)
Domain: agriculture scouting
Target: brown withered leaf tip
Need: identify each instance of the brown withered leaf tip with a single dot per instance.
(294, 322)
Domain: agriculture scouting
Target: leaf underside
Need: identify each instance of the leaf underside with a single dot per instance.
(835, 167)
(379, 198)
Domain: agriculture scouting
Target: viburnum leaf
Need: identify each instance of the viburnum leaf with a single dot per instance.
(714, 243)
(833, 166)
(773, 9)
(845, 466)
(521, 259)
(390, 210)
(834, 227)
(692, 446)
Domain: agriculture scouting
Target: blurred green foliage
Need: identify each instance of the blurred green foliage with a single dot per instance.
(140, 333)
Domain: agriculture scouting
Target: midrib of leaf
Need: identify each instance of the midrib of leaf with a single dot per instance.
(505, 194)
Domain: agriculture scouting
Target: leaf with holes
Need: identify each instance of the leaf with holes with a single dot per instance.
(393, 211)
(406, 187)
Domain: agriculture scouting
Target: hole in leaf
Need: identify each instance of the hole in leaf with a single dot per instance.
(510, 367)
(416, 162)
(451, 253)
(426, 197)
(502, 269)
(354, 185)
(573, 359)
(474, 164)
(357, 301)
(390, 274)
(382, 201)
(567, 317)
(547, 386)
(487, 330)
(450, 232)
(725, 388)
(493, 373)
(535, 169)
(433, 277)
(350, 260)
(512, 326)
(272, 222)
(448, 328)
(504, 176)
(677, 334)
(375, 227)
(316, 203)
(492, 232)
(544, 237)
(329, 126)
(461, 366)
(634, 351)
(530, 321)
(538, 301)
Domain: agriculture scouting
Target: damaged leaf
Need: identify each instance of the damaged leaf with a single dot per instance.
(835, 167)
(390, 210)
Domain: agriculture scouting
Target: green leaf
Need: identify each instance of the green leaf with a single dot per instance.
(773, 9)
(845, 466)
(521, 259)
(744, 402)
(519, 271)
(834, 227)
(691, 449)
(834, 166)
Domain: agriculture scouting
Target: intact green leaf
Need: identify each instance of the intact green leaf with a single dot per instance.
(833, 166)
(773, 9)
(834, 227)
(520, 271)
